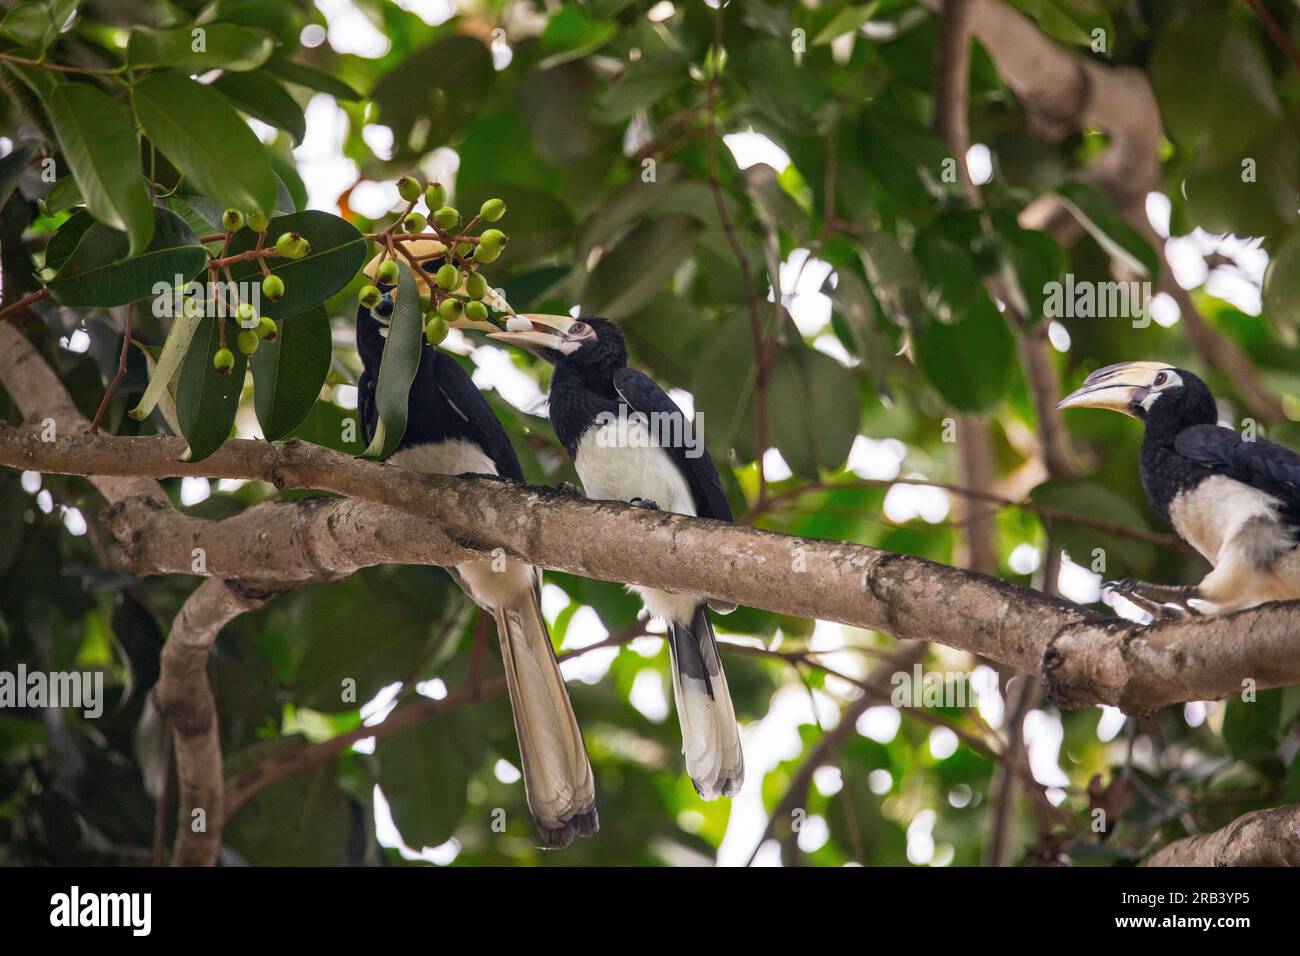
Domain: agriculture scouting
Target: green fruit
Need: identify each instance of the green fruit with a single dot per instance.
(451, 309)
(448, 278)
(415, 222)
(464, 248)
(232, 220)
(447, 217)
(248, 341)
(486, 254)
(245, 313)
(492, 210)
(475, 285)
(291, 245)
(258, 222)
(369, 296)
(273, 287)
(266, 329)
(408, 187)
(476, 311)
(435, 197)
(223, 361)
(426, 302)
(492, 238)
(435, 330)
(387, 272)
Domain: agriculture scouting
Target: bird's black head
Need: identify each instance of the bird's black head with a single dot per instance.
(590, 343)
(1168, 399)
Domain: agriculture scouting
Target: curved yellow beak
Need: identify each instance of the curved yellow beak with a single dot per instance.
(1120, 388)
(536, 336)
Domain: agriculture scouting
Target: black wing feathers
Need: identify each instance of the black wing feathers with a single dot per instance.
(643, 394)
(1262, 464)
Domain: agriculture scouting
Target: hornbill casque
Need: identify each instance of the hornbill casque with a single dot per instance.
(619, 457)
(1234, 499)
(451, 429)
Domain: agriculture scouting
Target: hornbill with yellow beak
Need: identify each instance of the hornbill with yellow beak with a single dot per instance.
(1234, 499)
(452, 430)
(614, 422)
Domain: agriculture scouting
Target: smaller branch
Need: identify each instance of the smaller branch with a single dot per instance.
(1262, 838)
(30, 299)
(58, 67)
(121, 371)
(1276, 32)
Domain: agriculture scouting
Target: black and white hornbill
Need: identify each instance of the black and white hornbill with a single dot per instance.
(623, 456)
(451, 429)
(1234, 499)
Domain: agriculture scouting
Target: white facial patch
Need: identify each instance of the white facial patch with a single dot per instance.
(1165, 379)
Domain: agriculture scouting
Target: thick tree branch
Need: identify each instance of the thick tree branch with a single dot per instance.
(1261, 838)
(1083, 657)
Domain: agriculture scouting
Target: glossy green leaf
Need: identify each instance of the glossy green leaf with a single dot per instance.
(11, 170)
(222, 46)
(1250, 727)
(206, 401)
(199, 131)
(642, 83)
(288, 372)
(63, 195)
(103, 152)
(1124, 556)
(29, 24)
(637, 268)
(168, 363)
(300, 820)
(726, 401)
(310, 77)
(263, 98)
(397, 368)
(98, 271)
(969, 360)
(571, 34)
(337, 253)
(423, 776)
(1032, 260)
(1121, 241)
(812, 410)
(848, 20)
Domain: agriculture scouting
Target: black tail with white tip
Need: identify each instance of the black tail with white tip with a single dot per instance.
(710, 735)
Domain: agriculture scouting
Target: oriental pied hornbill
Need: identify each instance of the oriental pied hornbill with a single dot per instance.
(451, 429)
(623, 456)
(1236, 500)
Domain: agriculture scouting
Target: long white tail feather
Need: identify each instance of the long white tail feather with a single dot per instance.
(557, 774)
(710, 735)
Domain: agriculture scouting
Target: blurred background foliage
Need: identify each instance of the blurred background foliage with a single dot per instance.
(602, 124)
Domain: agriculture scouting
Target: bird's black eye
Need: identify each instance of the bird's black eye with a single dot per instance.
(1161, 379)
(578, 328)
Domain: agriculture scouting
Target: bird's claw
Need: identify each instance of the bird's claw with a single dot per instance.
(570, 489)
(647, 503)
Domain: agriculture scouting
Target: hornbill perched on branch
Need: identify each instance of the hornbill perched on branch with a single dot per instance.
(451, 429)
(1234, 499)
(630, 442)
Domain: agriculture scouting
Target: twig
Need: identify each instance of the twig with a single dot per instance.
(30, 299)
(121, 371)
(1276, 32)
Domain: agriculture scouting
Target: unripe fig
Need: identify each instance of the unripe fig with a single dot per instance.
(476, 311)
(451, 309)
(435, 197)
(426, 302)
(486, 254)
(273, 287)
(248, 341)
(387, 272)
(258, 222)
(232, 220)
(408, 187)
(475, 285)
(266, 328)
(223, 361)
(447, 217)
(291, 245)
(492, 210)
(448, 278)
(435, 330)
(492, 238)
(415, 222)
(245, 313)
(369, 296)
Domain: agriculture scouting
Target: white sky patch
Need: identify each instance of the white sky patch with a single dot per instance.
(381, 705)
(920, 838)
(320, 160)
(506, 772)
(1059, 336)
(1025, 558)
(1111, 723)
(802, 278)
(263, 131)
(979, 163)
(774, 466)
(943, 743)
(903, 503)
(648, 696)
(879, 724)
(30, 481)
(554, 600)
(876, 460)
(441, 166)
(387, 835)
(379, 138)
(661, 11)
(1233, 287)
(78, 341)
(494, 369)
(989, 702)
(350, 30)
(1159, 209)
(880, 781)
(1076, 583)
(374, 200)
(813, 834)
(828, 344)
(1195, 712)
(74, 521)
(432, 12)
(1043, 737)
(345, 396)
(45, 500)
(435, 688)
(312, 35)
(231, 484)
(195, 490)
(1186, 262)
(750, 148)
(828, 780)
(960, 796)
(585, 630)
(1165, 310)
(647, 646)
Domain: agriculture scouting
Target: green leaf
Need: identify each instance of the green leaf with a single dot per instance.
(853, 305)
(206, 400)
(30, 25)
(215, 46)
(1250, 728)
(726, 401)
(812, 408)
(1032, 261)
(1252, 193)
(636, 269)
(1120, 240)
(11, 170)
(848, 20)
(440, 89)
(64, 194)
(168, 364)
(423, 776)
(402, 351)
(1281, 290)
(98, 273)
(1088, 500)
(103, 152)
(894, 277)
(968, 361)
(338, 251)
(1072, 21)
(774, 204)
(199, 131)
(571, 35)
(300, 820)
(310, 77)
(288, 372)
(263, 98)
(642, 83)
